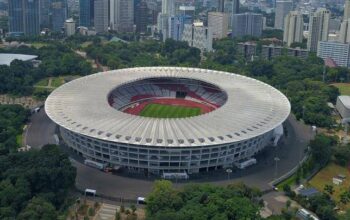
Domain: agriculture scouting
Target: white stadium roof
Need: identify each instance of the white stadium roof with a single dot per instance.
(252, 109)
(7, 58)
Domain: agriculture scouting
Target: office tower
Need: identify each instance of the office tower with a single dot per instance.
(293, 28)
(168, 7)
(346, 10)
(218, 22)
(199, 36)
(338, 52)
(141, 17)
(283, 7)
(45, 6)
(344, 34)
(101, 16)
(24, 16)
(187, 10)
(177, 25)
(235, 6)
(59, 14)
(122, 15)
(250, 24)
(221, 5)
(318, 28)
(69, 27)
(86, 13)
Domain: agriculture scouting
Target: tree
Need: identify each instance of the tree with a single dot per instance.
(329, 189)
(38, 209)
(133, 208)
(321, 149)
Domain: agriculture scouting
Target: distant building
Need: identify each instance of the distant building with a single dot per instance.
(269, 52)
(344, 34)
(346, 10)
(247, 24)
(318, 28)
(141, 17)
(168, 7)
(45, 7)
(247, 49)
(86, 13)
(176, 26)
(343, 106)
(122, 15)
(293, 28)
(24, 16)
(69, 27)
(218, 22)
(101, 16)
(338, 52)
(59, 14)
(198, 36)
(283, 7)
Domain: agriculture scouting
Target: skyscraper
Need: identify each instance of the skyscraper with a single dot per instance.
(122, 15)
(218, 22)
(293, 28)
(86, 13)
(101, 16)
(346, 10)
(45, 6)
(141, 17)
(235, 6)
(221, 5)
(250, 24)
(283, 7)
(199, 36)
(168, 7)
(59, 14)
(318, 28)
(177, 25)
(344, 35)
(24, 16)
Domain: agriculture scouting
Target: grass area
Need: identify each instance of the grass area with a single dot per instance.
(43, 82)
(343, 87)
(38, 44)
(169, 111)
(325, 176)
(19, 140)
(57, 81)
(289, 181)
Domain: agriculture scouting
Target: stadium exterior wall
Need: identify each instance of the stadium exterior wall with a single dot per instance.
(165, 159)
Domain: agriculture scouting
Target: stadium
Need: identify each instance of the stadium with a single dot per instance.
(168, 119)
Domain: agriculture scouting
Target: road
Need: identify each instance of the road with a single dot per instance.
(290, 152)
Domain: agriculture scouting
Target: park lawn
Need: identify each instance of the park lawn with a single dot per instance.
(57, 81)
(38, 45)
(19, 140)
(43, 82)
(344, 88)
(169, 111)
(325, 176)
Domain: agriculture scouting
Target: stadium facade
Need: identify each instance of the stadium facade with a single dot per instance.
(99, 118)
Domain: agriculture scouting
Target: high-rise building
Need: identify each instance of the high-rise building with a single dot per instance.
(176, 26)
(168, 7)
(101, 16)
(141, 17)
(86, 13)
(247, 24)
(24, 16)
(293, 28)
(235, 6)
(344, 34)
(218, 22)
(122, 15)
(338, 52)
(318, 28)
(199, 36)
(69, 27)
(283, 7)
(59, 14)
(221, 5)
(346, 10)
(45, 6)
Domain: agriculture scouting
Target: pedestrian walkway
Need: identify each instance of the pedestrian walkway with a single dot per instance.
(106, 212)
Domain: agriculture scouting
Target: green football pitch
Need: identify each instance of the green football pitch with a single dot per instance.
(169, 111)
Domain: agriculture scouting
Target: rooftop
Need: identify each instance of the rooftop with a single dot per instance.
(7, 58)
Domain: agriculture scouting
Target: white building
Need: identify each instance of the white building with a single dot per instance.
(318, 28)
(198, 36)
(343, 106)
(338, 52)
(168, 7)
(101, 15)
(122, 15)
(283, 7)
(69, 27)
(346, 10)
(344, 34)
(293, 28)
(218, 22)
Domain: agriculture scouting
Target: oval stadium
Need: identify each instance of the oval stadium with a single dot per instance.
(168, 119)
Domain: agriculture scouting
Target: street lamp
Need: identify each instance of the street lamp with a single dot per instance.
(276, 159)
(228, 171)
